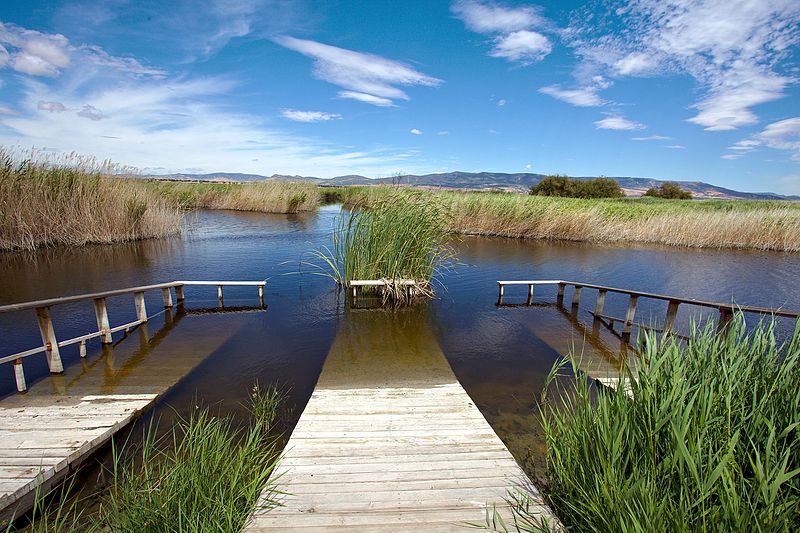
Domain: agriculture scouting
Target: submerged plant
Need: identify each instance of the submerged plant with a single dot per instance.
(705, 436)
(399, 237)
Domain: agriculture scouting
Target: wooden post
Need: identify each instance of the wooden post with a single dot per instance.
(672, 312)
(101, 313)
(49, 340)
(166, 295)
(19, 375)
(630, 314)
(219, 294)
(179, 293)
(141, 309)
(725, 316)
(530, 294)
(354, 292)
(560, 298)
(82, 349)
(601, 302)
(261, 295)
(576, 296)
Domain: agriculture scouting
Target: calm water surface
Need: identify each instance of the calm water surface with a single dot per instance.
(501, 355)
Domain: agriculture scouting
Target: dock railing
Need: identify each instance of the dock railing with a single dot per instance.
(726, 310)
(51, 345)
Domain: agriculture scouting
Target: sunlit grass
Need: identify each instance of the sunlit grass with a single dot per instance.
(706, 436)
(401, 236)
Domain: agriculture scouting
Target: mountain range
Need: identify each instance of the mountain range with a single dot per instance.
(519, 182)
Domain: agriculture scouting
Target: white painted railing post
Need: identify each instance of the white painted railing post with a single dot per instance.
(261, 295)
(560, 297)
(19, 375)
(166, 295)
(219, 294)
(49, 340)
(101, 313)
(530, 294)
(141, 309)
(179, 295)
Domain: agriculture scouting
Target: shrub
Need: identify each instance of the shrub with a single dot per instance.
(669, 191)
(568, 188)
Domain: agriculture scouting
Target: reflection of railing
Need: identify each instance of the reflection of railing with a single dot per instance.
(51, 345)
(383, 284)
(725, 310)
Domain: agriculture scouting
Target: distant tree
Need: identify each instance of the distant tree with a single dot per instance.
(397, 178)
(565, 187)
(670, 191)
(553, 186)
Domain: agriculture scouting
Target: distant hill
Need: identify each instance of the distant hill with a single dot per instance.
(520, 182)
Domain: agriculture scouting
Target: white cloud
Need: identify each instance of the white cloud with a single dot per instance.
(91, 112)
(5, 110)
(523, 45)
(652, 138)
(502, 102)
(309, 116)
(582, 97)
(731, 156)
(618, 123)
(415, 131)
(783, 135)
(359, 72)
(675, 146)
(53, 107)
(732, 48)
(46, 55)
(366, 98)
(487, 17)
(443, 132)
(745, 145)
(513, 28)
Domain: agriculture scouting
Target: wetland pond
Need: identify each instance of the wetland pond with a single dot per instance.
(501, 355)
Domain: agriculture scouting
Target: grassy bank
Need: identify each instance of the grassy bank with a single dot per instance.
(205, 475)
(70, 201)
(400, 236)
(707, 437)
(763, 225)
(263, 196)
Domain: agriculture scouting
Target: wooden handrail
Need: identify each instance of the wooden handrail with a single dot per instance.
(50, 345)
(729, 307)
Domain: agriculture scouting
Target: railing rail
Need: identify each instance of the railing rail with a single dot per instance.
(51, 345)
(726, 310)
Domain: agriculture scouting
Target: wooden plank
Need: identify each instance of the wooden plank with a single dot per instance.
(389, 440)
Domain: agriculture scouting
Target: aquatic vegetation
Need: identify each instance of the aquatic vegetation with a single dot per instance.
(46, 201)
(271, 196)
(204, 475)
(400, 236)
(704, 438)
(764, 225)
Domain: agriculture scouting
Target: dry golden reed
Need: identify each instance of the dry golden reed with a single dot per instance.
(71, 200)
(762, 225)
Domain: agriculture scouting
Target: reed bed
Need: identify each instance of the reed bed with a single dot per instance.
(400, 236)
(703, 436)
(761, 225)
(271, 196)
(74, 201)
(205, 475)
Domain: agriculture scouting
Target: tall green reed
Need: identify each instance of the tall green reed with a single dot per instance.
(400, 236)
(705, 435)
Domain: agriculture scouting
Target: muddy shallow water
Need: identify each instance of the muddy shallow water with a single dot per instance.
(501, 355)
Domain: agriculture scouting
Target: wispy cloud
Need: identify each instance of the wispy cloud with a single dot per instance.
(780, 135)
(616, 122)
(366, 98)
(581, 97)
(360, 73)
(415, 131)
(513, 29)
(732, 48)
(675, 146)
(652, 138)
(309, 116)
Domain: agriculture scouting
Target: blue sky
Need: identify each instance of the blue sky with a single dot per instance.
(670, 89)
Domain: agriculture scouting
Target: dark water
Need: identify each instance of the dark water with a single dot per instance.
(501, 355)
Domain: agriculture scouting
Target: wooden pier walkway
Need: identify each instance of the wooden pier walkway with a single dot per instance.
(390, 440)
(59, 421)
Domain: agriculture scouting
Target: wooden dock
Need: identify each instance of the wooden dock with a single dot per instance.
(390, 440)
(61, 420)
